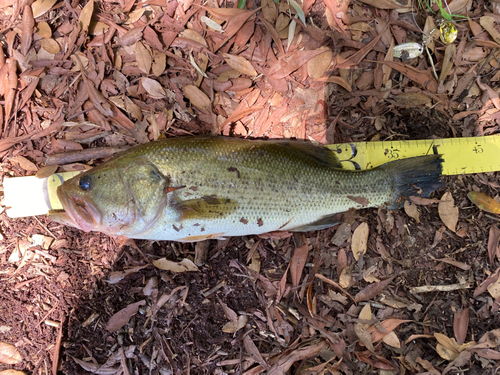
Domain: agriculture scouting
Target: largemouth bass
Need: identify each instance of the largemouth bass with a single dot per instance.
(192, 189)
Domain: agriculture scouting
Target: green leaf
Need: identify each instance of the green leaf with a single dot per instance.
(299, 10)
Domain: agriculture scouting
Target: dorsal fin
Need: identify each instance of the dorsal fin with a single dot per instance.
(317, 154)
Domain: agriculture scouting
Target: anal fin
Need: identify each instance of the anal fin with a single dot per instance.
(323, 223)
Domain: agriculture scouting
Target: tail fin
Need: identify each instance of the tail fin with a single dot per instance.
(417, 176)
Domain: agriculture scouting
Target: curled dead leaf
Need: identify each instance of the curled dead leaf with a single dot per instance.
(240, 64)
(448, 212)
(123, 316)
(493, 238)
(50, 45)
(297, 263)
(372, 290)
(316, 67)
(9, 354)
(484, 202)
(153, 88)
(194, 36)
(24, 163)
(364, 336)
(360, 240)
(40, 7)
(183, 266)
(86, 15)
(234, 326)
(198, 98)
(412, 211)
(413, 99)
(27, 29)
(143, 58)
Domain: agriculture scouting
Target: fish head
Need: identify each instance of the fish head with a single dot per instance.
(117, 199)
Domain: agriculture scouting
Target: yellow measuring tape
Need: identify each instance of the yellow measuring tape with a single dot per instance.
(461, 156)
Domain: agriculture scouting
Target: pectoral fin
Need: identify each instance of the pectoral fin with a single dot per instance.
(209, 207)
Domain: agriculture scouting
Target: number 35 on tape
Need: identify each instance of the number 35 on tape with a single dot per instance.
(461, 155)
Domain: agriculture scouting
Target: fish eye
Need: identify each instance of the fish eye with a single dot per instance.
(85, 182)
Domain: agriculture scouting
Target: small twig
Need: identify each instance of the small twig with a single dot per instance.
(57, 347)
(87, 154)
(432, 63)
(464, 93)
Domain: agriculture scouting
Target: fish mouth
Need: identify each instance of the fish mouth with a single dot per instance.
(82, 212)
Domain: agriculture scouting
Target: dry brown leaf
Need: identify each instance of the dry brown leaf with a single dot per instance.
(363, 336)
(340, 81)
(40, 7)
(123, 316)
(382, 329)
(153, 88)
(252, 350)
(446, 348)
(50, 45)
(46, 171)
(449, 55)
(297, 263)
(460, 325)
(43, 29)
(488, 23)
(27, 29)
(10, 87)
(387, 4)
(317, 66)
(269, 10)
(194, 36)
(365, 314)
(234, 326)
(422, 77)
(372, 290)
(130, 37)
(183, 266)
(290, 62)
(225, 14)
(133, 109)
(143, 58)
(423, 201)
(458, 6)
(413, 99)
(24, 163)
(360, 240)
(455, 263)
(492, 94)
(493, 238)
(484, 285)
(12, 372)
(448, 212)
(86, 15)
(392, 339)
(135, 15)
(345, 278)
(159, 64)
(240, 64)
(494, 288)
(9, 354)
(198, 98)
(412, 210)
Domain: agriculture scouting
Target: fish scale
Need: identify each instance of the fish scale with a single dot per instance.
(190, 189)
